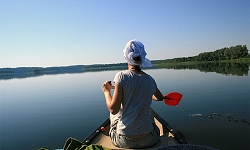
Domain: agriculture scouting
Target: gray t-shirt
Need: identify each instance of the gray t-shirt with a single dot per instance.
(137, 97)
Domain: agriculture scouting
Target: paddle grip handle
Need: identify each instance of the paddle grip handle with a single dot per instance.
(113, 87)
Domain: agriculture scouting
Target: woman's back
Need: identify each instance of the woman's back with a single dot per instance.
(138, 89)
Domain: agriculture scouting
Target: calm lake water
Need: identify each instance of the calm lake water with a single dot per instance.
(46, 110)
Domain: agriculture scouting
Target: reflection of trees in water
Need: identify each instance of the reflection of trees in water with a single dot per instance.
(236, 69)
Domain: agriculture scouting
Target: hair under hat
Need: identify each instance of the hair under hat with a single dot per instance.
(133, 49)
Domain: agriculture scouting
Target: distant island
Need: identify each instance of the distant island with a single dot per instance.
(234, 60)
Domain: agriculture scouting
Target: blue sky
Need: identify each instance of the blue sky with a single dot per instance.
(77, 32)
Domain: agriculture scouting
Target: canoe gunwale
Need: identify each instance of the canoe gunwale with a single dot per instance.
(91, 137)
(166, 125)
(178, 137)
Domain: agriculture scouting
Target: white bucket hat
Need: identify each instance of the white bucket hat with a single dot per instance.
(135, 48)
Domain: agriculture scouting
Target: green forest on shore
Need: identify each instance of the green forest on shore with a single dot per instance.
(234, 60)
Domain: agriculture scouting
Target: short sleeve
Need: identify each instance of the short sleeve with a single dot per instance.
(119, 78)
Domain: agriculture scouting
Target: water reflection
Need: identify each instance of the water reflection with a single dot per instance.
(235, 69)
(47, 110)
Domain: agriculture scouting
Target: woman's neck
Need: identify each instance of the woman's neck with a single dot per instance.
(134, 69)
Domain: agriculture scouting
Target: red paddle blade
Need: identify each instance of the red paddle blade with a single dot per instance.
(173, 98)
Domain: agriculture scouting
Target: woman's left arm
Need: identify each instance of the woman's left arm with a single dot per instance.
(113, 103)
(157, 95)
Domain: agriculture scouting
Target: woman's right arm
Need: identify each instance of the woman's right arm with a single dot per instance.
(113, 102)
(157, 95)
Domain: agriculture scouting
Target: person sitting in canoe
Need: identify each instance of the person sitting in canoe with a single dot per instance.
(131, 123)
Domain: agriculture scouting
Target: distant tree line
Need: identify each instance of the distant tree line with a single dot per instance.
(207, 62)
(234, 52)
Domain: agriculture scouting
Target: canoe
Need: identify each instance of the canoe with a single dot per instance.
(168, 135)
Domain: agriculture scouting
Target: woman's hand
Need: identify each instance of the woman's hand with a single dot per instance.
(106, 86)
(113, 103)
